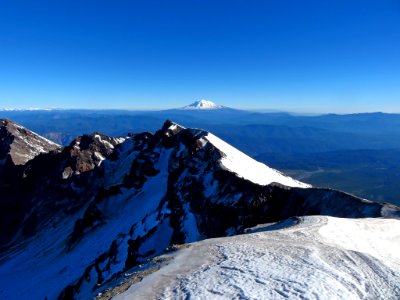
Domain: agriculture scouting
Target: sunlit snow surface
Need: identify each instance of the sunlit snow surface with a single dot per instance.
(319, 258)
(248, 168)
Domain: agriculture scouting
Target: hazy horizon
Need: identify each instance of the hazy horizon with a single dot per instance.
(308, 57)
(161, 108)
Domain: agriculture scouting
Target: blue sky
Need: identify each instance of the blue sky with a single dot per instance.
(304, 56)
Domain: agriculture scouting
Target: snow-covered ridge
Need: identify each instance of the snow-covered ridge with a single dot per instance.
(319, 258)
(203, 105)
(241, 164)
(248, 168)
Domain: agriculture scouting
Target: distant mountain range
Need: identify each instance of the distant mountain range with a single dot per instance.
(28, 109)
(303, 146)
(202, 104)
(75, 219)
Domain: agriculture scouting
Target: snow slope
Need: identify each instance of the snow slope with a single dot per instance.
(248, 168)
(318, 258)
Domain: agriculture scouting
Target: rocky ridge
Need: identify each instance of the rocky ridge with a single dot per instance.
(103, 205)
(18, 145)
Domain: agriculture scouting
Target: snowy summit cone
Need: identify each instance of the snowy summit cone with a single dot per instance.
(203, 105)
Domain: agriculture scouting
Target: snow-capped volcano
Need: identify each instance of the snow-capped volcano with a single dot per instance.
(87, 213)
(203, 105)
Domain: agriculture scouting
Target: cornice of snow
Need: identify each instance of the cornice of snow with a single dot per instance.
(244, 166)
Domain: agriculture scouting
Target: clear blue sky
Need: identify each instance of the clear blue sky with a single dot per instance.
(308, 56)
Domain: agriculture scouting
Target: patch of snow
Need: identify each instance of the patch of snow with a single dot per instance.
(202, 142)
(67, 173)
(104, 142)
(173, 127)
(119, 140)
(99, 157)
(248, 168)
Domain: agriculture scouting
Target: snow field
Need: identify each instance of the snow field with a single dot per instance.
(320, 258)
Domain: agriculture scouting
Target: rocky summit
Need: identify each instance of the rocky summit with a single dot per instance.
(18, 145)
(76, 218)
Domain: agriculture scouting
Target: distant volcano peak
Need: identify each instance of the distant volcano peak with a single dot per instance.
(203, 105)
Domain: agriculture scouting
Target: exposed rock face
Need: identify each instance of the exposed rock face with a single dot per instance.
(103, 205)
(87, 152)
(61, 180)
(20, 144)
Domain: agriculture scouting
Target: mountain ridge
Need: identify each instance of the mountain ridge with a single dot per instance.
(22, 144)
(102, 205)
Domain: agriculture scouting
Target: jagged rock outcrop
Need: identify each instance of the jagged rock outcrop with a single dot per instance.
(103, 205)
(19, 144)
(61, 181)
